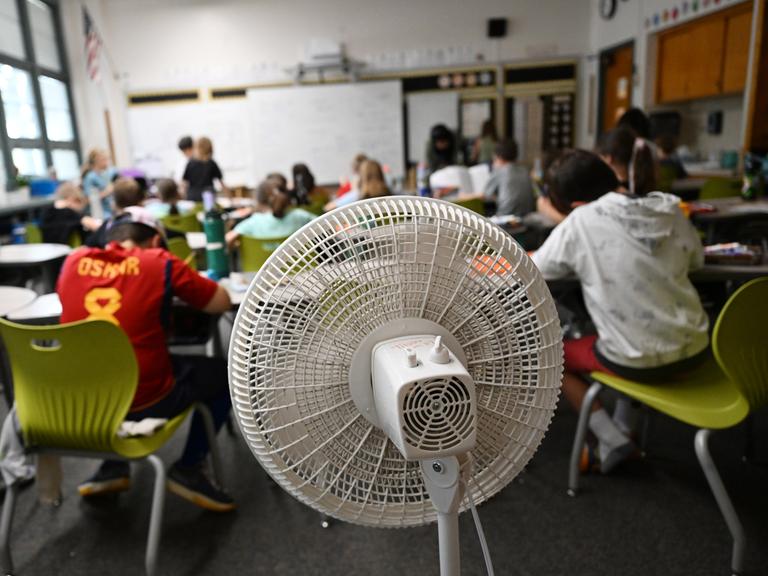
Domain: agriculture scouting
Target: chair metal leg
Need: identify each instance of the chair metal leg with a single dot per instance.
(6, 520)
(213, 446)
(581, 434)
(701, 444)
(156, 517)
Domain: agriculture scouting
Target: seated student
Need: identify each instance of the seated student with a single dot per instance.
(637, 121)
(485, 144)
(636, 172)
(279, 222)
(65, 218)
(351, 183)
(632, 256)
(668, 159)
(441, 148)
(141, 279)
(371, 184)
(202, 172)
(278, 181)
(170, 203)
(510, 184)
(262, 198)
(305, 191)
(125, 193)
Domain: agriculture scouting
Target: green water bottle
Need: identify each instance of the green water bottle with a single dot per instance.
(215, 246)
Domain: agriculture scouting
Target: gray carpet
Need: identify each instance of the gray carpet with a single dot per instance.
(654, 516)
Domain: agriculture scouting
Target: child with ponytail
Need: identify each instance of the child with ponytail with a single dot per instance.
(632, 159)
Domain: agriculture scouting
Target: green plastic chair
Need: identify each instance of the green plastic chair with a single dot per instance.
(719, 394)
(182, 222)
(179, 247)
(720, 188)
(255, 251)
(666, 177)
(33, 233)
(65, 410)
(474, 204)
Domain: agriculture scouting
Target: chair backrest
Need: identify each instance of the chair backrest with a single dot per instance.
(720, 188)
(474, 204)
(667, 174)
(179, 247)
(740, 341)
(34, 234)
(255, 251)
(182, 222)
(73, 383)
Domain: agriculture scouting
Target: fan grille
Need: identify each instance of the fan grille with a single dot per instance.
(437, 414)
(351, 272)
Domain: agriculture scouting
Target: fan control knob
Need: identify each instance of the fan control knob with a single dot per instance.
(411, 358)
(439, 354)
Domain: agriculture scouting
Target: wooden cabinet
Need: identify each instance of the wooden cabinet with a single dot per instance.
(706, 57)
(738, 31)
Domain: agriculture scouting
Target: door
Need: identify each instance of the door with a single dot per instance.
(616, 71)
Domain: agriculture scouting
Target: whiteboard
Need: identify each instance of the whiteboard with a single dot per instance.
(154, 132)
(325, 127)
(424, 111)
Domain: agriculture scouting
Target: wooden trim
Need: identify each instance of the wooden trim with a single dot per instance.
(512, 90)
(758, 25)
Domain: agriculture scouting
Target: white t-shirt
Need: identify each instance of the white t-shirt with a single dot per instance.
(632, 256)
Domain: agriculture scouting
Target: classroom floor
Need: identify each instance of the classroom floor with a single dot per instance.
(655, 516)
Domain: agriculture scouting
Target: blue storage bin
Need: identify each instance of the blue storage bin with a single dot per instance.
(42, 187)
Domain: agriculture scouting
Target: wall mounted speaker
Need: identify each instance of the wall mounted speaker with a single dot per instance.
(497, 27)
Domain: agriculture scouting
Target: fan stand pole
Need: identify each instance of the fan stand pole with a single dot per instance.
(441, 477)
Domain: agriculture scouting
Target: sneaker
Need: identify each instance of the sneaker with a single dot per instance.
(192, 484)
(111, 477)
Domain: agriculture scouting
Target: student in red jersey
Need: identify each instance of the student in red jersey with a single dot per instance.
(132, 282)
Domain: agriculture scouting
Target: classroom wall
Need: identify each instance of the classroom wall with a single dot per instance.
(694, 125)
(194, 43)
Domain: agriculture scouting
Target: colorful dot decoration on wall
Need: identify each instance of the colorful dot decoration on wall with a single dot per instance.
(681, 9)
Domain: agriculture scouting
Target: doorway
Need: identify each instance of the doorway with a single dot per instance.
(616, 73)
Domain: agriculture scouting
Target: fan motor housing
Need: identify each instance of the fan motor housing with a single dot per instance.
(425, 400)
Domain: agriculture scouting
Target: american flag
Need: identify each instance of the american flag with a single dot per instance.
(92, 45)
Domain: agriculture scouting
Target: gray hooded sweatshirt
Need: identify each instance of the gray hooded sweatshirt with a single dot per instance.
(632, 256)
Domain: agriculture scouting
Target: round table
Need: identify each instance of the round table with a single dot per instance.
(12, 298)
(43, 256)
(32, 254)
(44, 310)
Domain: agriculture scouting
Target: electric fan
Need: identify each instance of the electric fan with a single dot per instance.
(394, 362)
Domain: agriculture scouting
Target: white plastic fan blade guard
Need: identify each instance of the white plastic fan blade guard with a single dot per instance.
(372, 271)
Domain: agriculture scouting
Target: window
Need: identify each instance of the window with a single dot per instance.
(11, 38)
(29, 161)
(37, 126)
(44, 34)
(58, 117)
(66, 164)
(18, 103)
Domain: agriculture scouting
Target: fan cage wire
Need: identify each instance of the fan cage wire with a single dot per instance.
(344, 275)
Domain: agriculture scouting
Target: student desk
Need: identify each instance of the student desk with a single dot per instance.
(13, 298)
(14, 203)
(729, 211)
(44, 310)
(43, 256)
